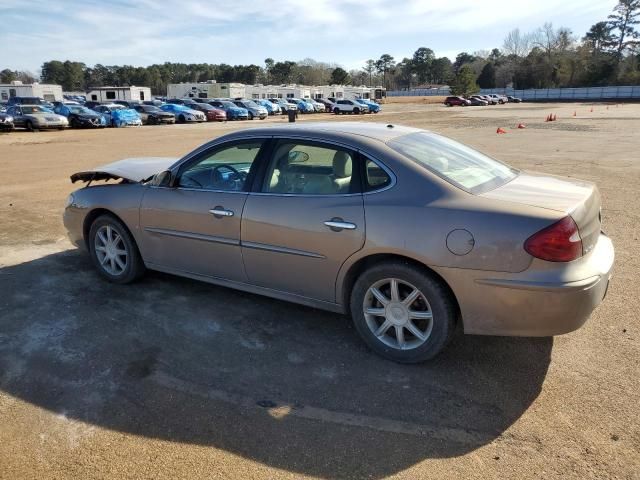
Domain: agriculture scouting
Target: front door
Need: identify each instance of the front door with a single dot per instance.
(305, 221)
(194, 227)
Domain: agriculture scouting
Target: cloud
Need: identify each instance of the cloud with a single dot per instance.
(141, 32)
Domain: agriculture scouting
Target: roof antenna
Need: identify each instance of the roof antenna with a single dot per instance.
(389, 126)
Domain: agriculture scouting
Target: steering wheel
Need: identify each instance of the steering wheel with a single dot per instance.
(236, 175)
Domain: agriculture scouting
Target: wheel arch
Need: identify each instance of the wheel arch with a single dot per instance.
(345, 286)
(91, 217)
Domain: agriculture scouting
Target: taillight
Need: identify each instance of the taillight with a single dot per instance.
(559, 242)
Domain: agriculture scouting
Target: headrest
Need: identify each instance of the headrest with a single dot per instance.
(342, 165)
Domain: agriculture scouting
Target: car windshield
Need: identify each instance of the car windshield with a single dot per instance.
(35, 109)
(151, 108)
(250, 103)
(228, 104)
(456, 163)
(79, 109)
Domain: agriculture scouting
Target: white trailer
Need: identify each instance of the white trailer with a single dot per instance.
(330, 91)
(210, 89)
(109, 94)
(48, 92)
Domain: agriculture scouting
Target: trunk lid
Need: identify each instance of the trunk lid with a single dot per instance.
(131, 169)
(577, 198)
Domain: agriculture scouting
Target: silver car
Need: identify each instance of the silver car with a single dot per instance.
(409, 232)
(36, 117)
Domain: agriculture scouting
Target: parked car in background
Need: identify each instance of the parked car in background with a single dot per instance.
(92, 104)
(498, 98)
(373, 106)
(478, 102)
(36, 117)
(212, 113)
(58, 104)
(3, 107)
(233, 111)
(152, 115)
(183, 113)
(107, 109)
(415, 235)
(30, 101)
(272, 108)
(155, 103)
(284, 105)
(80, 116)
(328, 104)
(514, 99)
(456, 101)
(187, 102)
(317, 106)
(349, 106)
(484, 98)
(6, 122)
(255, 110)
(303, 107)
(128, 103)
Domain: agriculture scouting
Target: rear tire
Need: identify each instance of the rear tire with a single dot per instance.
(401, 315)
(114, 251)
(29, 126)
(181, 119)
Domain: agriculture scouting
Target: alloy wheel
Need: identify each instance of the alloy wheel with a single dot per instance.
(398, 314)
(111, 250)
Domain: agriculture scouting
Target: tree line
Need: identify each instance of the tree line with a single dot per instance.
(607, 54)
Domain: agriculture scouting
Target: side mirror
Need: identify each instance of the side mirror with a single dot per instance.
(164, 179)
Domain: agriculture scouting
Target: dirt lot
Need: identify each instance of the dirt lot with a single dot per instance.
(170, 378)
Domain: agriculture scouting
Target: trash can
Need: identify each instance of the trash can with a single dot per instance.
(292, 115)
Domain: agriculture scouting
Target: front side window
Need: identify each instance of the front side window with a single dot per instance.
(226, 169)
(309, 169)
(456, 163)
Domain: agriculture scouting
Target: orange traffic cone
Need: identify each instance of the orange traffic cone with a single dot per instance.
(521, 125)
(501, 130)
(574, 113)
(591, 110)
(548, 119)
(554, 118)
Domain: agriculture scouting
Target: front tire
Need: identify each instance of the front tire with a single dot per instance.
(29, 126)
(114, 251)
(402, 313)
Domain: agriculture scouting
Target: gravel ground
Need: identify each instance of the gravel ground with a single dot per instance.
(170, 378)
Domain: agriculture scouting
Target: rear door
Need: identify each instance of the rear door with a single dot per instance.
(304, 220)
(194, 227)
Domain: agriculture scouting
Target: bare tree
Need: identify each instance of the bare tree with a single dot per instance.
(516, 43)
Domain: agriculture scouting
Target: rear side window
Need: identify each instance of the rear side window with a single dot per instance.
(375, 177)
(456, 163)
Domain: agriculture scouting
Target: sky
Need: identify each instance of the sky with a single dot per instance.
(348, 32)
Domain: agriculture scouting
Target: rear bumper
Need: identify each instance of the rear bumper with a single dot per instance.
(538, 302)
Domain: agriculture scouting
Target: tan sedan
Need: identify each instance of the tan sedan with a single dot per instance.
(409, 232)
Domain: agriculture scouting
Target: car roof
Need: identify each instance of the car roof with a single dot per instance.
(377, 131)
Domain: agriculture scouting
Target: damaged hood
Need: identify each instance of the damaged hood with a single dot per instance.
(132, 169)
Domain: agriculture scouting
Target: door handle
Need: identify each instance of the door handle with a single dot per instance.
(221, 212)
(337, 225)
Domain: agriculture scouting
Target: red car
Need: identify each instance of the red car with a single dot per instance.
(213, 114)
(456, 101)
